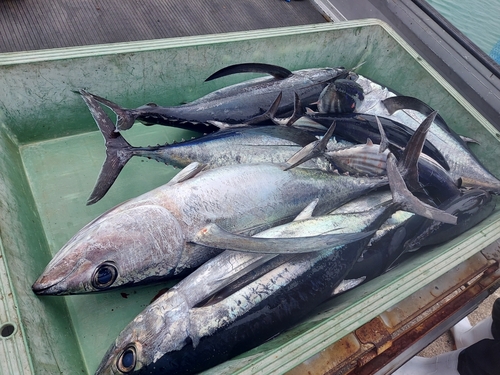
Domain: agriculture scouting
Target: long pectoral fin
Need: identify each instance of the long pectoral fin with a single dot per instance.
(396, 103)
(214, 236)
(274, 70)
(312, 150)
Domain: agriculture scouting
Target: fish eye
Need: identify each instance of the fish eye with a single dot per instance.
(127, 360)
(352, 76)
(104, 275)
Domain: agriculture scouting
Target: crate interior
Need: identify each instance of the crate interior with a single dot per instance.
(51, 154)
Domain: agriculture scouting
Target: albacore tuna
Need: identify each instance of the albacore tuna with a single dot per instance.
(149, 237)
(234, 104)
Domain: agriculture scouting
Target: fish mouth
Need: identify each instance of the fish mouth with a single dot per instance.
(50, 283)
(46, 286)
(41, 290)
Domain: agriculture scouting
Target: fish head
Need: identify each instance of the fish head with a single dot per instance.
(340, 96)
(121, 247)
(161, 328)
(323, 75)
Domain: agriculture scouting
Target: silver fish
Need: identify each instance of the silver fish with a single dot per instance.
(233, 104)
(230, 265)
(149, 237)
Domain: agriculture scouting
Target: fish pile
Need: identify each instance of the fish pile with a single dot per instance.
(303, 185)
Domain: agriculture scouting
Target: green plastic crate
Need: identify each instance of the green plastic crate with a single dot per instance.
(51, 154)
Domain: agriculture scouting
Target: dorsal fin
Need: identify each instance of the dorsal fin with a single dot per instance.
(276, 71)
(369, 142)
(307, 212)
(298, 110)
(187, 172)
(270, 114)
(384, 141)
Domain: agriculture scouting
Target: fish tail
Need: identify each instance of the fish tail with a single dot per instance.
(118, 153)
(125, 118)
(118, 150)
(403, 198)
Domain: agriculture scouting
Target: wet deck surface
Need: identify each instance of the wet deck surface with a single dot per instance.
(32, 25)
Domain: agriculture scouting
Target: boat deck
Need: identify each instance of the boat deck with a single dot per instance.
(33, 25)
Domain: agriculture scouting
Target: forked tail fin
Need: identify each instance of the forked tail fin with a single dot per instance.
(125, 118)
(118, 150)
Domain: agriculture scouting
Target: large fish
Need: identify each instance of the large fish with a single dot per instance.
(387, 243)
(234, 104)
(149, 237)
(172, 337)
(229, 266)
